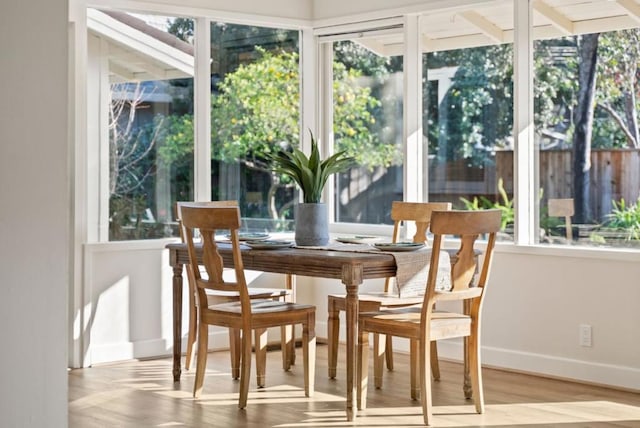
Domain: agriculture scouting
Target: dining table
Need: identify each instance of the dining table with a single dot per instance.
(350, 267)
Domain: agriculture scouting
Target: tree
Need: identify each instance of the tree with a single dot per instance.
(588, 55)
(255, 114)
(130, 145)
(618, 59)
(130, 157)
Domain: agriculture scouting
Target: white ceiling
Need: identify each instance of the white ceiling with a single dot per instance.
(492, 23)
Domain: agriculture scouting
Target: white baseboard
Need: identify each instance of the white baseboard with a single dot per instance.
(549, 365)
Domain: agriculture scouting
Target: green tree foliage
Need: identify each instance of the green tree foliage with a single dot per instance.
(255, 114)
(618, 59)
(479, 103)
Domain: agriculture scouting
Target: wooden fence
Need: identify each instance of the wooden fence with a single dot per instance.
(615, 174)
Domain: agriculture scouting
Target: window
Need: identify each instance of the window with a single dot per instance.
(468, 122)
(146, 64)
(586, 87)
(255, 112)
(366, 122)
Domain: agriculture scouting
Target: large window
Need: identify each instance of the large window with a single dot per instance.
(146, 91)
(468, 120)
(586, 87)
(583, 154)
(366, 123)
(255, 109)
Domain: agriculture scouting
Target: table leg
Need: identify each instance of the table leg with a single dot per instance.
(352, 278)
(177, 321)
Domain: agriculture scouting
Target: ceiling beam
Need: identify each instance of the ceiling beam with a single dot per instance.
(558, 20)
(487, 27)
(631, 7)
(123, 73)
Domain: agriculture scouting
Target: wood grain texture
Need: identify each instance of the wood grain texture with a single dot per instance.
(137, 394)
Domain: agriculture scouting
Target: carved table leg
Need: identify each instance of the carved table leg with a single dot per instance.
(352, 278)
(177, 321)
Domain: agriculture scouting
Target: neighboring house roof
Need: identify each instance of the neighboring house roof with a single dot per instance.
(137, 51)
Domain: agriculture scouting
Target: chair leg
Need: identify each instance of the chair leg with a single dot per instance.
(379, 345)
(362, 368)
(333, 327)
(414, 369)
(309, 354)
(435, 365)
(291, 347)
(245, 368)
(234, 351)
(290, 281)
(389, 353)
(201, 358)
(475, 368)
(260, 344)
(193, 330)
(286, 334)
(425, 382)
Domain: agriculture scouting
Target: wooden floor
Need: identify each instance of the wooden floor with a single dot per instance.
(142, 394)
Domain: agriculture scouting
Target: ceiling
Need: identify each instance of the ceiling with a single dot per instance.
(492, 23)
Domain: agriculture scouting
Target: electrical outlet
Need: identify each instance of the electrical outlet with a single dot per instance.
(585, 335)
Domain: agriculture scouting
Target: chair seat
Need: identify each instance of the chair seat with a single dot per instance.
(382, 299)
(405, 322)
(260, 307)
(217, 296)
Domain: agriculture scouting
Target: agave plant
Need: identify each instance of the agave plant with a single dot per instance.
(310, 173)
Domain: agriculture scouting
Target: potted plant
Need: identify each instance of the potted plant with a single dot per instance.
(311, 174)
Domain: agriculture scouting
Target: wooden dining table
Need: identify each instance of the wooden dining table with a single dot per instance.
(349, 267)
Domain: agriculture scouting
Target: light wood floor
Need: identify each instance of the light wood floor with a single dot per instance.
(142, 394)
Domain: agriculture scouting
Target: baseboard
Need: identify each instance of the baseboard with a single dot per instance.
(610, 375)
(123, 351)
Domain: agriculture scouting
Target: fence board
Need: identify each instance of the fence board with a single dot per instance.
(614, 174)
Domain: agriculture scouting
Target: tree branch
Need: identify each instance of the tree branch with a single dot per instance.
(631, 141)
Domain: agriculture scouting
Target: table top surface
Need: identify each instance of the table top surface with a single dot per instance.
(303, 261)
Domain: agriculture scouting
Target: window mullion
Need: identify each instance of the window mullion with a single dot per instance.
(202, 111)
(412, 111)
(525, 167)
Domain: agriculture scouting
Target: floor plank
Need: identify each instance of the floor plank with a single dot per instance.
(142, 394)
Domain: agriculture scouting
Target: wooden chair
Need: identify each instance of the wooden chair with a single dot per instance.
(562, 208)
(421, 324)
(247, 314)
(214, 297)
(420, 213)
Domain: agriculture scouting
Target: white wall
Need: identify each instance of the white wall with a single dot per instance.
(34, 213)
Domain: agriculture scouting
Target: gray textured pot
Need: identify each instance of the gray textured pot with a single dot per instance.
(312, 224)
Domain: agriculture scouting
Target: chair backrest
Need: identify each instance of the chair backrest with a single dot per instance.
(417, 212)
(179, 204)
(562, 208)
(190, 267)
(468, 226)
(207, 220)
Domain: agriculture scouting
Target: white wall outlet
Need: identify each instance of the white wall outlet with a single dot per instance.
(585, 335)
